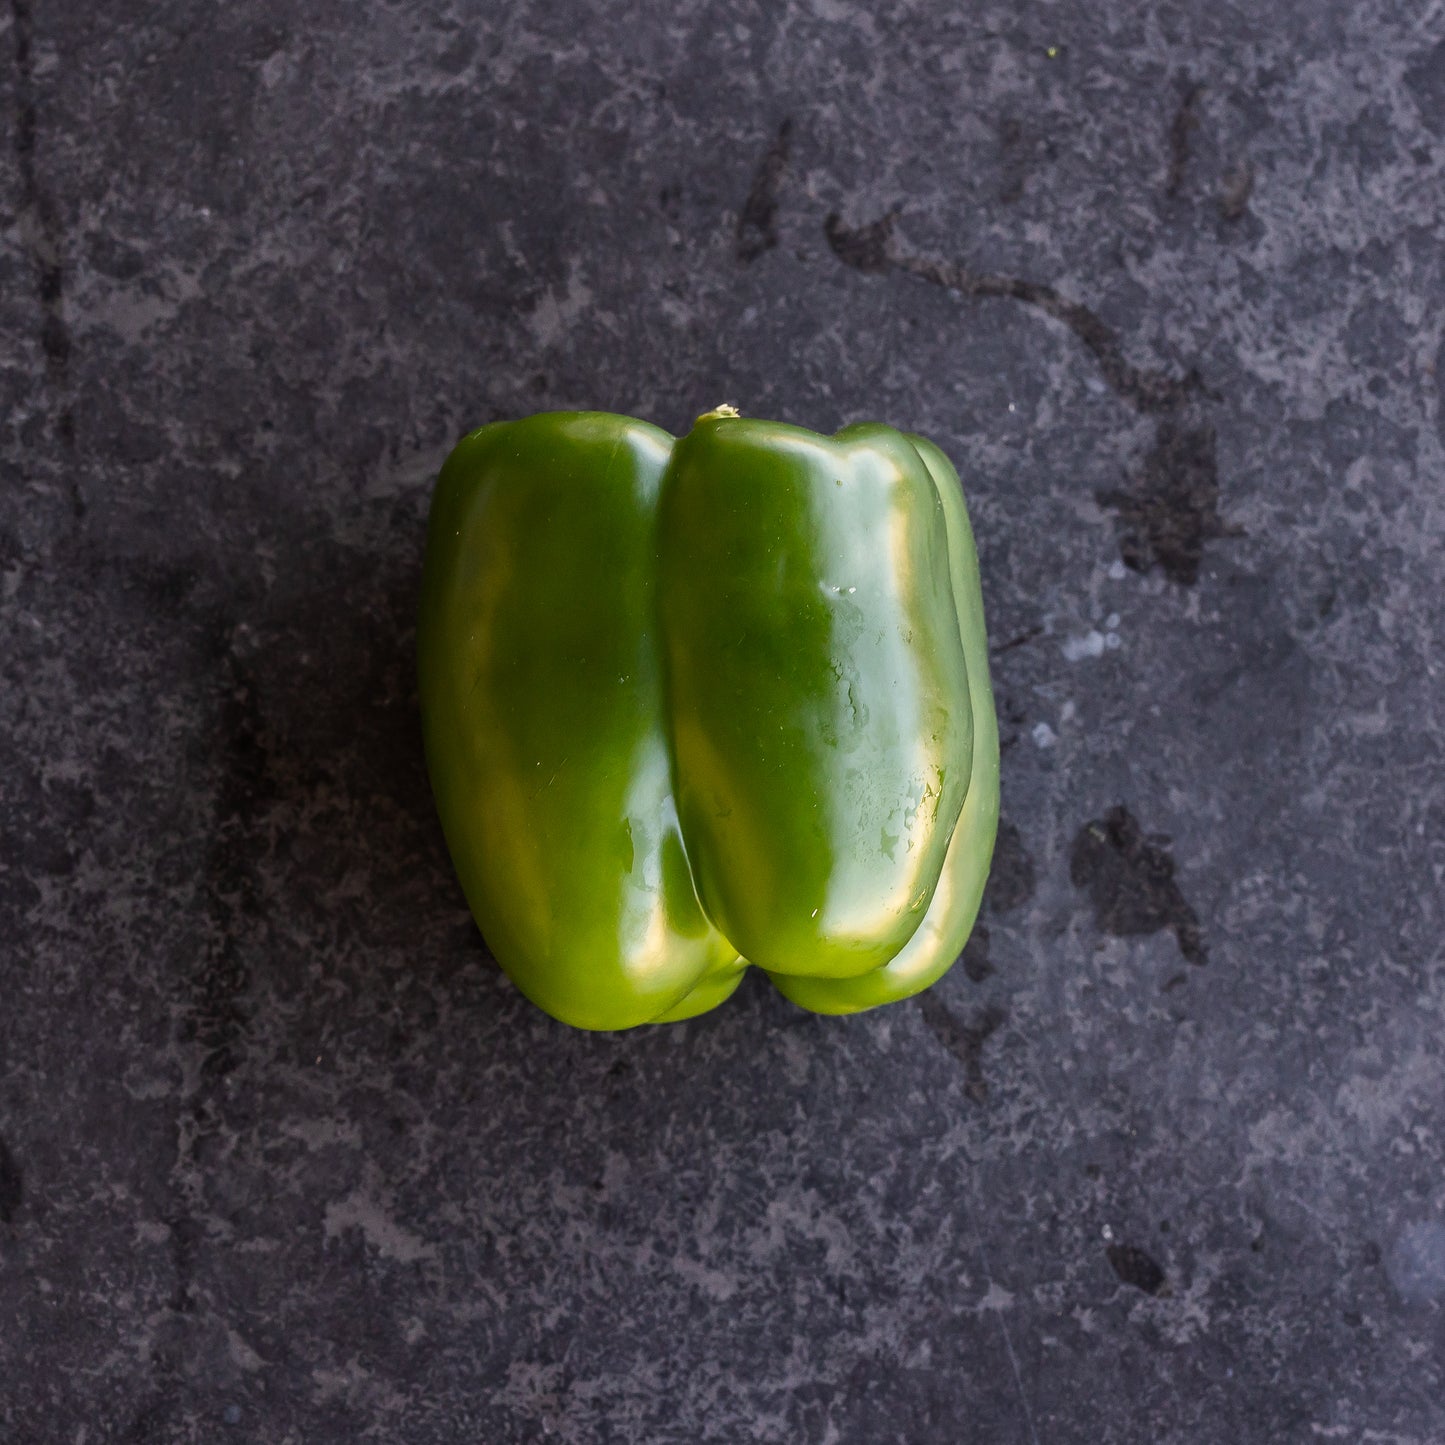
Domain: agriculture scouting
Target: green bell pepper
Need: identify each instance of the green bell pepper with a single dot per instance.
(691, 704)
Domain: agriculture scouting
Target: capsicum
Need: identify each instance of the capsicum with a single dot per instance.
(691, 704)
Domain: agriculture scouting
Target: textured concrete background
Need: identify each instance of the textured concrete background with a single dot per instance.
(285, 1159)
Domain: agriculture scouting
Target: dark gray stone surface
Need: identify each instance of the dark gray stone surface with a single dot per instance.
(285, 1159)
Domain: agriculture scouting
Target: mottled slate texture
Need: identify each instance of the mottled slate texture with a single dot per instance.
(284, 1158)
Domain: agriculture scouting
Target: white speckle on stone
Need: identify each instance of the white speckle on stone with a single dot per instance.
(1012, 407)
(1044, 736)
(1111, 621)
(242, 1355)
(1416, 1262)
(1069, 711)
(1117, 571)
(328, 1131)
(714, 1283)
(1091, 644)
(1112, 641)
(1108, 1233)
(555, 315)
(361, 1210)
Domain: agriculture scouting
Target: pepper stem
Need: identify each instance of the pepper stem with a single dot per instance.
(720, 413)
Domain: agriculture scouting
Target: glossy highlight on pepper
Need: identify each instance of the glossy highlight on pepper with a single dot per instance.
(696, 703)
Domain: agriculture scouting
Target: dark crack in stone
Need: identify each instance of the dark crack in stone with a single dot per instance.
(1172, 510)
(865, 248)
(964, 1041)
(758, 222)
(976, 963)
(12, 1185)
(1136, 1267)
(1011, 879)
(1130, 881)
